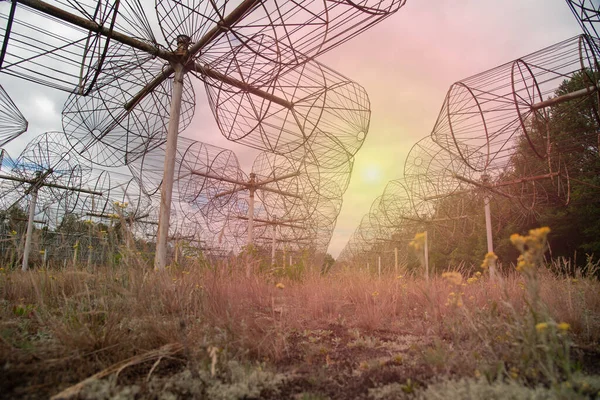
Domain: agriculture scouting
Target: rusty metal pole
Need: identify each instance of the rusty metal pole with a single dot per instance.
(488, 230)
(273, 240)
(488, 225)
(29, 234)
(251, 218)
(166, 192)
(426, 250)
(251, 189)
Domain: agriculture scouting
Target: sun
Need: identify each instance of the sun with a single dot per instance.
(371, 173)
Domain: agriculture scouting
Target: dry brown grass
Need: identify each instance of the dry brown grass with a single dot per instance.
(52, 321)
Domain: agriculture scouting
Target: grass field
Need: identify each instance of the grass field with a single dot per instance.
(214, 333)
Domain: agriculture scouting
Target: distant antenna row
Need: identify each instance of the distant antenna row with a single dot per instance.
(516, 132)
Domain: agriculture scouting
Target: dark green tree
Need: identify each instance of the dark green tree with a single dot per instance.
(568, 203)
(328, 262)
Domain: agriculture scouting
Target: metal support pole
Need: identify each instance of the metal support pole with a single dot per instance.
(127, 236)
(90, 248)
(251, 217)
(488, 230)
(89, 258)
(273, 239)
(166, 192)
(426, 250)
(75, 251)
(176, 251)
(29, 233)
(396, 260)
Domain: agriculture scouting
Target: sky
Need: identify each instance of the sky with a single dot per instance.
(406, 64)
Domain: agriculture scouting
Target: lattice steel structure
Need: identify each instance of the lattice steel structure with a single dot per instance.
(88, 214)
(587, 13)
(508, 112)
(45, 173)
(247, 54)
(212, 190)
(40, 46)
(12, 122)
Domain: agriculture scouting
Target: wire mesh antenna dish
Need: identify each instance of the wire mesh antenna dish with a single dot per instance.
(66, 56)
(50, 175)
(587, 13)
(195, 34)
(12, 122)
(510, 113)
(102, 130)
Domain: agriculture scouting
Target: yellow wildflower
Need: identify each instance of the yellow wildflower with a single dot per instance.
(541, 327)
(454, 299)
(514, 372)
(120, 205)
(540, 232)
(532, 248)
(13, 232)
(517, 240)
(454, 278)
(563, 326)
(523, 264)
(489, 260)
(418, 242)
(375, 293)
(280, 285)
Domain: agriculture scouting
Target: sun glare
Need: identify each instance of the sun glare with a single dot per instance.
(371, 174)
